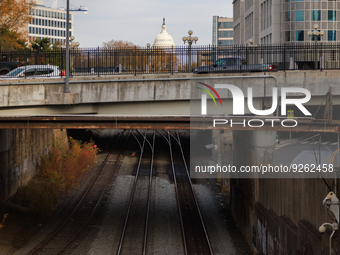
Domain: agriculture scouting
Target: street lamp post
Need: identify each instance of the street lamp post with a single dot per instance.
(190, 39)
(73, 45)
(315, 33)
(67, 64)
(148, 58)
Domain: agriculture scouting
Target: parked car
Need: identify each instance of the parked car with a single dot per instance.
(34, 71)
(7, 66)
(235, 64)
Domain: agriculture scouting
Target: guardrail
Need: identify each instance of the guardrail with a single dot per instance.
(183, 59)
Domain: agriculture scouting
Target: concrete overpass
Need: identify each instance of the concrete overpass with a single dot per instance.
(152, 98)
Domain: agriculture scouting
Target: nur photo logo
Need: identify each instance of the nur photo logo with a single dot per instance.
(204, 97)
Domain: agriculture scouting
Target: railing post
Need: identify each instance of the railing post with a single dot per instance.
(284, 57)
(321, 56)
(172, 54)
(88, 62)
(98, 61)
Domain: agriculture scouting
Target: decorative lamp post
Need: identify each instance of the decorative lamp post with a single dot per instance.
(148, 58)
(190, 39)
(73, 45)
(315, 33)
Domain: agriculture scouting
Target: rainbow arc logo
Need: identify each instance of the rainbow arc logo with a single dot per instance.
(209, 93)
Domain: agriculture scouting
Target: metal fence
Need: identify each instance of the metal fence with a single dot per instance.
(142, 60)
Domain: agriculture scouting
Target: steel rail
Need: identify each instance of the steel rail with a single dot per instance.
(141, 146)
(178, 140)
(192, 189)
(176, 191)
(57, 232)
(97, 204)
(149, 191)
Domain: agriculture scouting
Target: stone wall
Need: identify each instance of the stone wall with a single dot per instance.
(20, 152)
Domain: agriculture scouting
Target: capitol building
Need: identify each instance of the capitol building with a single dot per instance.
(164, 40)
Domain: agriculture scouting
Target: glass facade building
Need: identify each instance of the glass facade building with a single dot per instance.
(222, 32)
(276, 21)
(304, 14)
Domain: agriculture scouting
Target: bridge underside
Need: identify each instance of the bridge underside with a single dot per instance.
(162, 122)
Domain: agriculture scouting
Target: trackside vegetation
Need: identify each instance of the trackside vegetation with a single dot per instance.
(58, 173)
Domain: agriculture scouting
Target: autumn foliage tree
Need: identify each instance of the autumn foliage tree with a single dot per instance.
(135, 58)
(117, 44)
(14, 17)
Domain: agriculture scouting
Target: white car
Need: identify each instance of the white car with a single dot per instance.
(34, 71)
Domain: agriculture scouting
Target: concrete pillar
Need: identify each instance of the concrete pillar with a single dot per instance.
(5, 175)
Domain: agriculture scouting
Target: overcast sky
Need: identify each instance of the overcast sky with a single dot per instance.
(140, 21)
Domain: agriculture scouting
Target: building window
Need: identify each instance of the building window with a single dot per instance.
(225, 34)
(299, 15)
(315, 15)
(225, 42)
(287, 16)
(298, 0)
(332, 15)
(331, 35)
(287, 36)
(299, 35)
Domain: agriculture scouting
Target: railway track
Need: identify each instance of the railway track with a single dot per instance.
(63, 239)
(135, 223)
(133, 238)
(194, 234)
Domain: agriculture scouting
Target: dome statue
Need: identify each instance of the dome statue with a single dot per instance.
(163, 40)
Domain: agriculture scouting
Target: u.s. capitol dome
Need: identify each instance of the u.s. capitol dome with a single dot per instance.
(164, 40)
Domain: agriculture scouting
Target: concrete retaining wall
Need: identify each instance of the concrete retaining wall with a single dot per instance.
(20, 151)
(279, 216)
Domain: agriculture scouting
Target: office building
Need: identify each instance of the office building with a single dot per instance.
(274, 21)
(49, 22)
(222, 32)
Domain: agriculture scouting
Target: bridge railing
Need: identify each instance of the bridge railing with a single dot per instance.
(181, 59)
